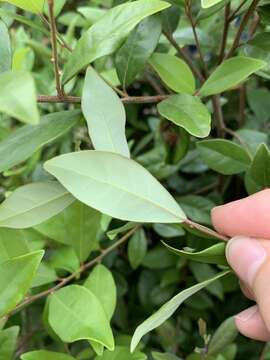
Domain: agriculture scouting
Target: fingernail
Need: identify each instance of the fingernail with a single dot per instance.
(247, 314)
(246, 256)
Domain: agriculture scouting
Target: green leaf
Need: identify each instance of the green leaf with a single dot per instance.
(137, 248)
(45, 275)
(122, 353)
(32, 204)
(168, 309)
(112, 234)
(105, 115)
(46, 355)
(8, 339)
(77, 225)
(78, 306)
(18, 96)
(188, 112)
(174, 72)
(224, 156)
(65, 259)
(230, 73)
(164, 356)
(107, 34)
(132, 57)
(16, 278)
(208, 3)
(13, 243)
(35, 6)
(224, 336)
(101, 283)
(197, 208)
(258, 175)
(29, 139)
(213, 255)
(131, 193)
(5, 48)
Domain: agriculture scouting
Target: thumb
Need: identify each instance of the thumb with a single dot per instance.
(250, 259)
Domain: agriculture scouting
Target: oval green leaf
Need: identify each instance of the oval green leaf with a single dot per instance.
(32, 204)
(230, 73)
(116, 186)
(224, 156)
(46, 355)
(188, 112)
(107, 34)
(78, 306)
(105, 115)
(174, 72)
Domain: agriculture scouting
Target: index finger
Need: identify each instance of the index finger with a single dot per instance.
(249, 216)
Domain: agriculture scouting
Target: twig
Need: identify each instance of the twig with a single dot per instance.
(234, 13)
(242, 26)
(193, 26)
(205, 230)
(225, 33)
(77, 100)
(54, 48)
(184, 55)
(73, 276)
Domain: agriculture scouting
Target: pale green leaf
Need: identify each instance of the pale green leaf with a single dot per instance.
(174, 72)
(23, 142)
(46, 355)
(5, 48)
(208, 3)
(16, 277)
(44, 275)
(168, 309)
(107, 34)
(230, 73)
(116, 186)
(35, 6)
(32, 204)
(8, 339)
(122, 353)
(18, 96)
(188, 112)
(78, 306)
(105, 115)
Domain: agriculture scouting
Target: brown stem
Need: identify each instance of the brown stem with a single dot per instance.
(74, 275)
(225, 33)
(193, 26)
(57, 72)
(242, 26)
(77, 100)
(184, 55)
(205, 230)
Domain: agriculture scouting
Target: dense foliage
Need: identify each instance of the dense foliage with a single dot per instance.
(123, 123)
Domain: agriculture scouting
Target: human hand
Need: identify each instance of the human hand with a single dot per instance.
(249, 256)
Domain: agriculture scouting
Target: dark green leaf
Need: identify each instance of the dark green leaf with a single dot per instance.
(137, 248)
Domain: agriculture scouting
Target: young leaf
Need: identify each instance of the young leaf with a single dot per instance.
(224, 336)
(29, 139)
(32, 204)
(258, 175)
(35, 6)
(224, 156)
(215, 254)
(101, 283)
(107, 34)
(230, 73)
(168, 309)
(5, 48)
(137, 248)
(77, 225)
(18, 96)
(122, 353)
(105, 115)
(78, 306)
(8, 339)
(116, 186)
(16, 277)
(208, 3)
(188, 112)
(174, 72)
(46, 355)
(139, 46)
